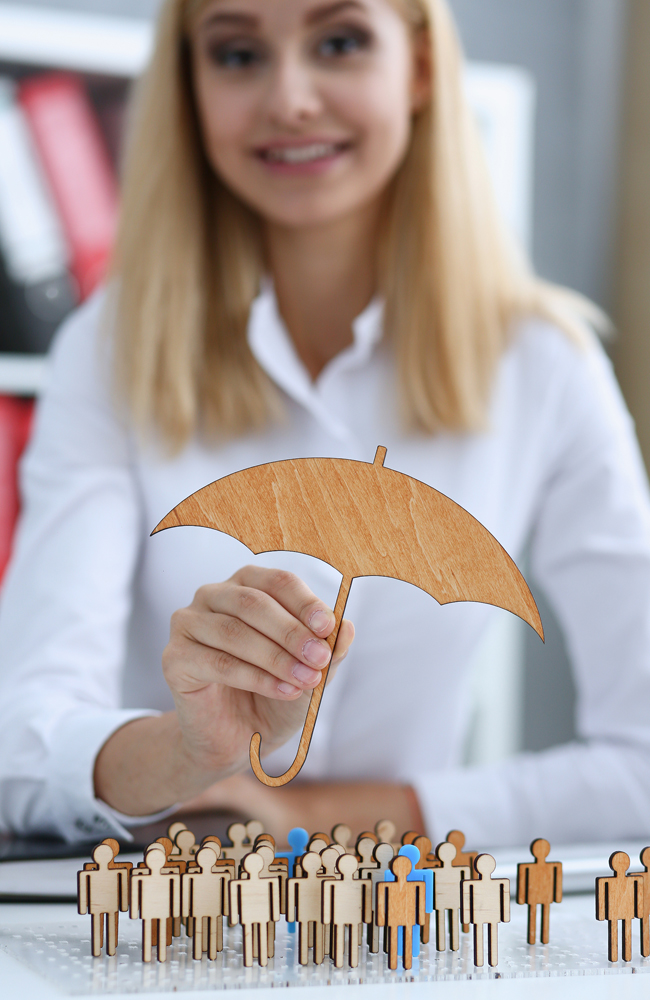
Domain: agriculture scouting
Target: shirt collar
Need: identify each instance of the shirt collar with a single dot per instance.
(274, 350)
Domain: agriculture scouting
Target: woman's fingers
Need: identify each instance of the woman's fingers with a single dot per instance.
(292, 594)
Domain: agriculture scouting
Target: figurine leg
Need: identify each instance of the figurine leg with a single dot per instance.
(454, 935)
(407, 957)
(627, 940)
(425, 931)
(170, 930)
(219, 933)
(97, 933)
(111, 932)
(310, 934)
(319, 943)
(263, 951)
(613, 941)
(197, 944)
(478, 945)
(176, 927)
(327, 939)
(213, 937)
(532, 924)
(354, 941)
(493, 944)
(248, 939)
(645, 937)
(390, 938)
(147, 935)
(270, 938)
(338, 944)
(373, 938)
(546, 914)
(465, 928)
(304, 933)
(163, 939)
(441, 935)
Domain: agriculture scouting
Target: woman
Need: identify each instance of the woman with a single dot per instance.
(310, 263)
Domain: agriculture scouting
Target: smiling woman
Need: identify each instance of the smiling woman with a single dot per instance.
(309, 263)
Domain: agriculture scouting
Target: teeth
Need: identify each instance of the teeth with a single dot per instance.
(301, 154)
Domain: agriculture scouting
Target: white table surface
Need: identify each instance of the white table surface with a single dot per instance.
(22, 983)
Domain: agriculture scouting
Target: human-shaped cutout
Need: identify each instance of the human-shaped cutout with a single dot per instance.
(365, 854)
(156, 900)
(185, 847)
(329, 857)
(401, 906)
(298, 841)
(316, 845)
(205, 902)
(368, 833)
(254, 903)
(409, 837)
(174, 863)
(539, 883)
(619, 897)
(385, 830)
(446, 896)
(463, 858)
(383, 854)
(342, 835)
(254, 829)
(215, 844)
(173, 829)
(644, 903)
(416, 874)
(304, 907)
(485, 900)
(347, 903)
(427, 859)
(238, 847)
(102, 891)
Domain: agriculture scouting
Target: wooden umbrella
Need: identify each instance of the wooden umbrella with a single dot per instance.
(364, 520)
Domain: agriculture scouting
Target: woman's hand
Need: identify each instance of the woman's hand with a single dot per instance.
(244, 657)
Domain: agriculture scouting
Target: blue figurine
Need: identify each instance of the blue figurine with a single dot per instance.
(425, 875)
(298, 840)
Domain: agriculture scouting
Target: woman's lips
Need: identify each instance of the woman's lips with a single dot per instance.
(303, 158)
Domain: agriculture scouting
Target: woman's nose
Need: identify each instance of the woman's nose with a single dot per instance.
(293, 98)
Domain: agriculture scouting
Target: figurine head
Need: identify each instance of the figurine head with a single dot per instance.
(347, 865)
(401, 867)
(185, 841)
(645, 857)
(446, 852)
(540, 849)
(155, 859)
(206, 858)
(411, 852)
(103, 855)
(341, 834)
(484, 865)
(383, 854)
(385, 830)
(253, 864)
(311, 863)
(237, 833)
(298, 839)
(619, 862)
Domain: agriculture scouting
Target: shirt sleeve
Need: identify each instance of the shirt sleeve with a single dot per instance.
(590, 552)
(66, 598)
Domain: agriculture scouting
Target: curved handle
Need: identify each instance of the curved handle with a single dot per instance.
(312, 711)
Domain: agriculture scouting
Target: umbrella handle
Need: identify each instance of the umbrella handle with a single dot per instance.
(312, 711)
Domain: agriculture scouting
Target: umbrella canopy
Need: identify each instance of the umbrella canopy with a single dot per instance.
(364, 520)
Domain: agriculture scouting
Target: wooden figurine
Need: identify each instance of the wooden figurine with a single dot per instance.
(102, 891)
(365, 854)
(205, 902)
(463, 858)
(173, 829)
(539, 883)
(254, 829)
(400, 905)
(409, 837)
(385, 831)
(156, 900)
(644, 907)
(304, 906)
(254, 903)
(342, 834)
(323, 507)
(619, 897)
(447, 895)
(427, 859)
(185, 847)
(347, 903)
(485, 900)
(416, 874)
(383, 855)
(238, 847)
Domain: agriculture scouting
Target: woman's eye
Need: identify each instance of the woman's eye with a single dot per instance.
(236, 55)
(343, 43)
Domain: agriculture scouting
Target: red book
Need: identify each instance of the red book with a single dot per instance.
(15, 427)
(78, 168)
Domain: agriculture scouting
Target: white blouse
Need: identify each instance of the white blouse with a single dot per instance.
(85, 610)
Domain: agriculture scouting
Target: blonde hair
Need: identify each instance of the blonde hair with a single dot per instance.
(189, 261)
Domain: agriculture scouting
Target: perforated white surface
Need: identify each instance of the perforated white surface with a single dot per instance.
(61, 953)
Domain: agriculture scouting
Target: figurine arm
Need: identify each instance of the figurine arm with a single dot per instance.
(186, 892)
(225, 895)
(176, 896)
(292, 891)
(640, 890)
(381, 904)
(465, 901)
(82, 892)
(234, 903)
(367, 902)
(522, 884)
(124, 876)
(421, 908)
(136, 880)
(505, 900)
(558, 883)
(601, 909)
(275, 899)
(326, 903)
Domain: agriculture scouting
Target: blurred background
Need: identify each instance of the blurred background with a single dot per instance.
(561, 90)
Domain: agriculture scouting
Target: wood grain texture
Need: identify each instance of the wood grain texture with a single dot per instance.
(347, 903)
(102, 891)
(485, 900)
(364, 520)
(254, 903)
(644, 903)
(619, 897)
(156, 899)
(539, 883)
(400, 904)
(447, 895)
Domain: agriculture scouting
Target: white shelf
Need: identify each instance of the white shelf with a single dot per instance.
(22, 374)
(91, 43)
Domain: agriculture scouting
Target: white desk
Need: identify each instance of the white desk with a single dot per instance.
(572, 922)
